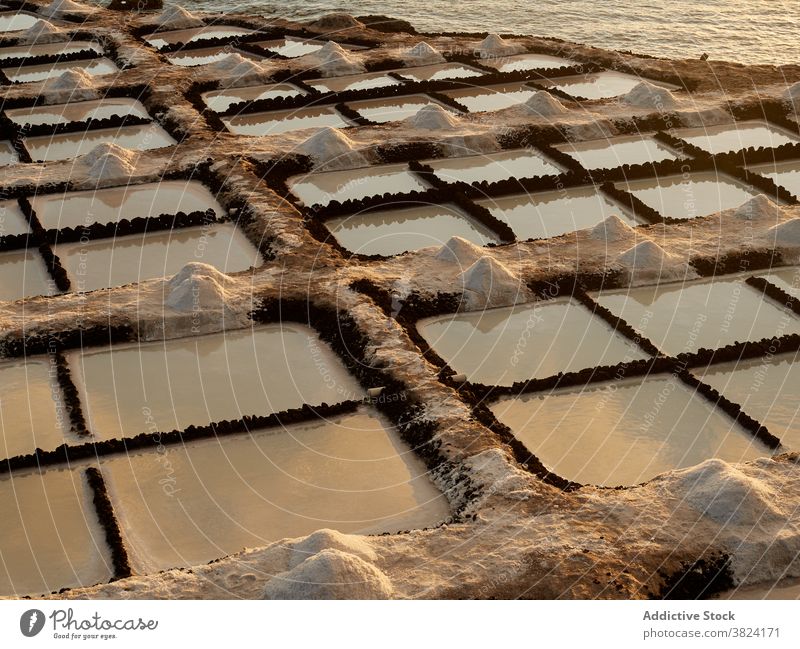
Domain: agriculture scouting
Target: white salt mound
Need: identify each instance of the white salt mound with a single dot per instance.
(70, 80)
(612, 228)
(728, 496)
(109, 160)
(59, 7)
(792, 93)
(542, 103)
(459, 251)
(786, 233)
(336, 21)
(330, 144)
(432, 117)
(422, 54)
(757, 207)
(41, 31)
(648, 95)
(332, 60)
(196, 285)
(331, 539)
(330, 574)
(494, 45)
(489, 282)
(237, 69)
(645, 256)
(176, 17)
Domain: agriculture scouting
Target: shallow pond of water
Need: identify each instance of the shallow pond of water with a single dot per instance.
(614, 152)
(439, 71)
(51, 536)
(8, 156)
(45, 49)
(691, 195)
(625, 432)
(394, 231)
(492, 167)
(221, 100)
(30, 73)
(196, 34)
(204, 56)
(521, 62)
(535, 340)
(17, 20)
(78, 111)
(354, 82)
(491, 98)
(681, 317)
(553, 213)
(12, 220)
(785, 174)
(768, 389)
(23, 274)
(392, 110)
(47, 148)
(275, 122)
(725, 138)
(112, 204)
(168, 385)
(291, 48)
(350, 473)
(322, 188)
(600, 85)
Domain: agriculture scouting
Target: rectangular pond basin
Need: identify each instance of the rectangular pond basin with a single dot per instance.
(23, 274)
(767, 388)
(32, 408)
(614, 152)
(491, 98)
(492, 167)
(203, 56)
(292, 48)
(78, 111)
(51, 537)
(786, 174)
(12, 21)
(529, 341)
(600, 85)
(393, 110)
(625, 432)
(64, 146)
(521, 62)
(283, 121)
(12, 220)
(690, 195)
(30, 73)
(322, 188)
(680, 317)
(397, 230)
(786, 278)
(221, 100)
(539, 215)
(196, 34)
(129, 389)
(354, 82)
(49, 49)
(439, 71)
(105, 263)
(110, 205)
(725, 138)
(8, 155)
(350, 473)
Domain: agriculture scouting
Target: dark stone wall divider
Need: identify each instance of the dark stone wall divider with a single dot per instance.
(45, 59)
(71, 396)
(39, 239)
(736, 262)
(109, 523)
(764, 348)
(632, 203)
(114, 121)
(43, 342)
(699, 579)
(775, 293)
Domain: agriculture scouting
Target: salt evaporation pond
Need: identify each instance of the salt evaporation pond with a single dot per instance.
(529, 341)
(785, 174)
(392, 110)
(128, 389)
(600, 85)
(12, 220)
(550, 214)
(221, 100)
(112, 204)
(49, 49)
(30, 73)
(51, 536)
(625, 432)
(350, 184)
(768, 389)
(354, 82)
(290, 47)
(78, 111)
(8, 156)
(491, 98)
(522, 62)
(196, 34)
(143, 137)
(30, 416)
(17, 20)
(350, 473)
(276, 122)
(725, 138)
(680, 317)
(787, 279)
(394, 231)
(439, 71)
(690, 195)
(204, 56)
(493, 167)
(23, 274)
(106, 263)
(614, 152)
